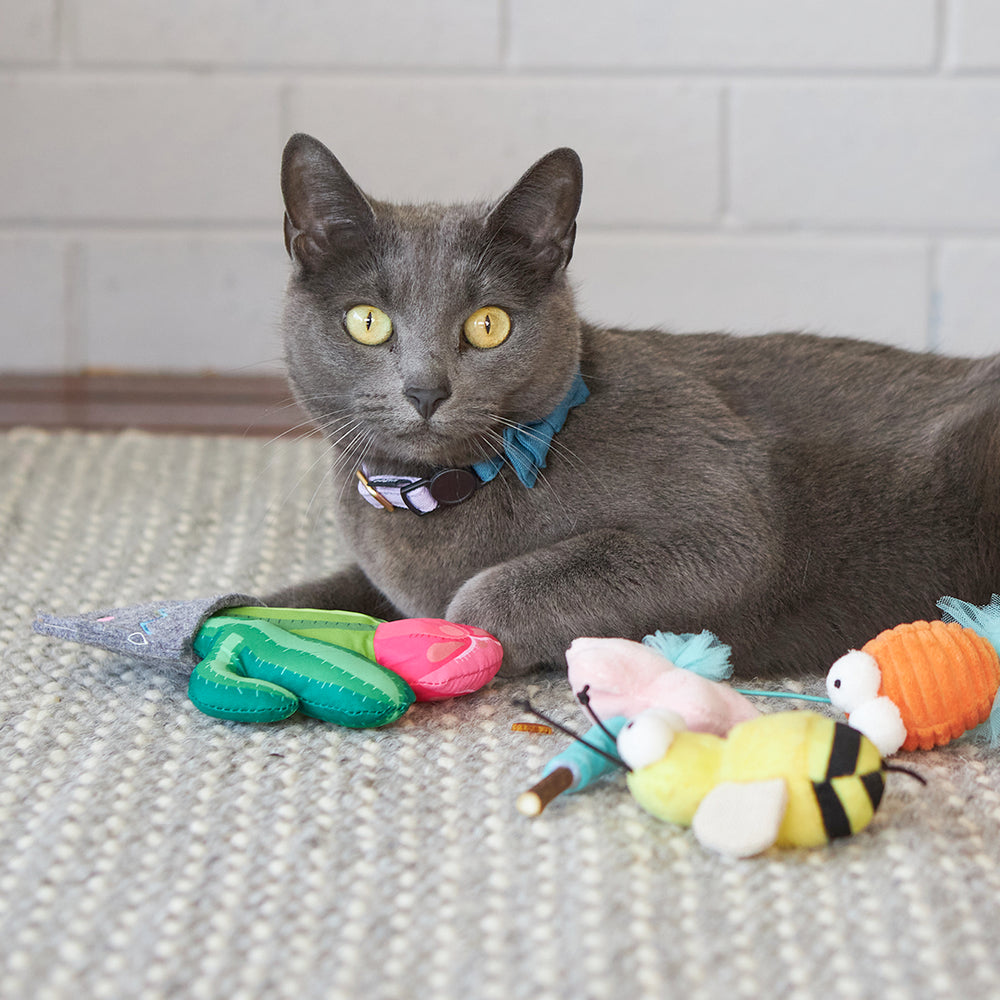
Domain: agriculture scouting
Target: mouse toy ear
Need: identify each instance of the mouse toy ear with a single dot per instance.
(325, 211)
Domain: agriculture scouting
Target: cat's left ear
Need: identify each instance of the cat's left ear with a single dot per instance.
(539, 212)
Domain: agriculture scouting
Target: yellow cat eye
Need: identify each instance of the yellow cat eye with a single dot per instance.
(368, 325)
(487, 327)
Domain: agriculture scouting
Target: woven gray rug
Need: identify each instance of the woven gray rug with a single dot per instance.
(149, 851)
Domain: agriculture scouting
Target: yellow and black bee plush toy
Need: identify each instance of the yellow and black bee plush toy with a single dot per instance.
(791, 779)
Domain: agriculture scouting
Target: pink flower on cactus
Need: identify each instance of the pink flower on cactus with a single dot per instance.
(438, 659)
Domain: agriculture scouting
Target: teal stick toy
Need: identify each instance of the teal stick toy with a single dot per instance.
(576, 767)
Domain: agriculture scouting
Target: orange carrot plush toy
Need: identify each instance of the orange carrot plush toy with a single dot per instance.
(923, 684)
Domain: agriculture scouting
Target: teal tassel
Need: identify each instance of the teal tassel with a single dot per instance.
(994, 723)
(702, 654)
(984, 620)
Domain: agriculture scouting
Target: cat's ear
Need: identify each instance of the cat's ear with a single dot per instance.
(325, 211)
(539, 211)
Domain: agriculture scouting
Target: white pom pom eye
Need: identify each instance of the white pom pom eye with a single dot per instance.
(648, 736)
(853, 680)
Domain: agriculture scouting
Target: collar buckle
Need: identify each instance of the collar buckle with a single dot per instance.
(372, 492)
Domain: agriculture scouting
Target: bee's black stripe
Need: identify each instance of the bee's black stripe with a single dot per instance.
(844, 751)
(874, 783)
(831, 810)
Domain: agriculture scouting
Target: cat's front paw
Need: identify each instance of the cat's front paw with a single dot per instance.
(486, 601)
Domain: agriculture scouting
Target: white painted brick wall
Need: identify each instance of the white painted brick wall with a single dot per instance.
(33, 302)
(725, 35)
(376, 35)
(148, 300)
(447, 140)
(690, 282)
(830, 165)
(919, 154)
(975, 39)
(118, 150)
(27, 31)
(967, 278)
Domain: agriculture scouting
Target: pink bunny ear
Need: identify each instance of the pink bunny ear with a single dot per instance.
(438, 659)
(705, 706)
(617, 671)
(626, 677)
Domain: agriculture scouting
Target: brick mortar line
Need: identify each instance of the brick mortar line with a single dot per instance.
(508, 74)
(725, 231)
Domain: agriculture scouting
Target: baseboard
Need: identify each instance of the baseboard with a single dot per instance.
(257, 405)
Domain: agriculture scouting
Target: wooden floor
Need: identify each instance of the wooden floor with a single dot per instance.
(255, 405)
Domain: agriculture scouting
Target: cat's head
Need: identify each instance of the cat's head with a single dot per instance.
(415, 333)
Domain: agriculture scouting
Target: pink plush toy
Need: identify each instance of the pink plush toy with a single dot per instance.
(438, 659)
(625, 678)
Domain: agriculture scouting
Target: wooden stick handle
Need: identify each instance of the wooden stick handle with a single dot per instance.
(536, 798)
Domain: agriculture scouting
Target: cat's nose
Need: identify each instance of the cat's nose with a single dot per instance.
(426, 401)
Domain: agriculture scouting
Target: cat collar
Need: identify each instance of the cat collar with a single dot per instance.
(525, 449)
(444, 489)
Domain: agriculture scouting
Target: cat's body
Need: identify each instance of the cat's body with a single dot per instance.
(793, 494)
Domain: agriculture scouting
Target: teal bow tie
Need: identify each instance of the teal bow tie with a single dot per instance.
(526, 446)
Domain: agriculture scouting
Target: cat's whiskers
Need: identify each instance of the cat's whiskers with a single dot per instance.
(303, 429)
(341, 454)
(328, 424)
(559, 449)
(563, 451)
(502, 454)
(290, 492)
(346, 451)
(327, 475)
(353, 458)
(323, 397)
(542, 479)
(343, 423)
(344, 447)
(275, 454)
(554, 444)
(277, 407)
(311, 421)
(489, 449)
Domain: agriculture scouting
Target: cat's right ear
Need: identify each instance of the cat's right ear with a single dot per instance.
(325, 211)
(539, 212)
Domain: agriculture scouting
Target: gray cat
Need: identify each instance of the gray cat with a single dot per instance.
(793, 494)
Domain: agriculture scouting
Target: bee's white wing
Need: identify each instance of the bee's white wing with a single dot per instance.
(741, 819)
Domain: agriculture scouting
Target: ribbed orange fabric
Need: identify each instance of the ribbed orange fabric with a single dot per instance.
(942, 677)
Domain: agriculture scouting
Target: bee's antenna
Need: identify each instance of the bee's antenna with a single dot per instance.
(525, 704)
(583, 697)
(905, 770)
